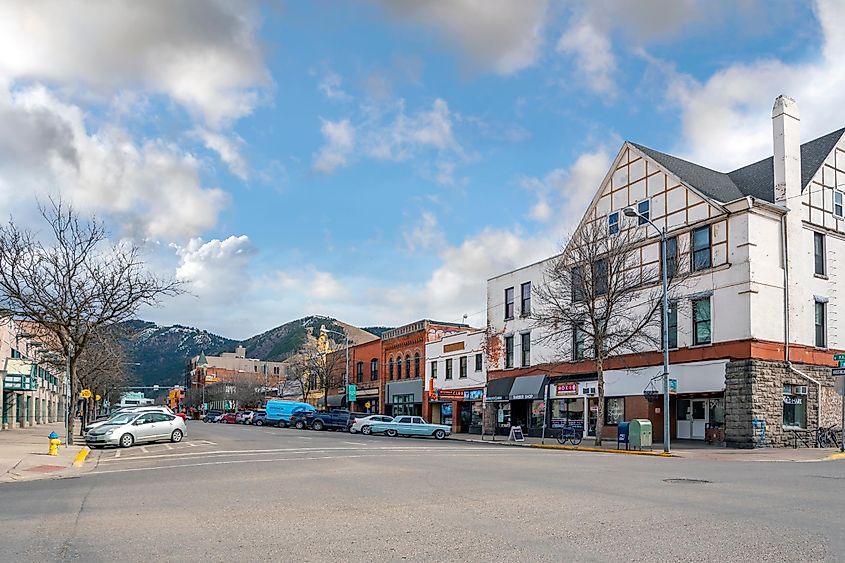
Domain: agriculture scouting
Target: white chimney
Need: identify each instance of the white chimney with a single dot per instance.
(786, 131)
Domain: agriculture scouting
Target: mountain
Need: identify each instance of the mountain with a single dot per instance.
(162, 351)
(377, 330)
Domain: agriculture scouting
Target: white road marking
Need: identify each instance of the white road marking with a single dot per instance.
(276, 460)
(117, 454)
(168, 446)
(145, 450)
(356, 443)
(209, 443)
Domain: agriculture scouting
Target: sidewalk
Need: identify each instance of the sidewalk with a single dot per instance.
(684, 449)
(23, 454)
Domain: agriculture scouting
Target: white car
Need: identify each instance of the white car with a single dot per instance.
(128, 410)
(131, 428)
(363, 425)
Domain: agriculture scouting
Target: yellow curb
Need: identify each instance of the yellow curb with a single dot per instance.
(80, 457)
(837, 456)
(601, 450)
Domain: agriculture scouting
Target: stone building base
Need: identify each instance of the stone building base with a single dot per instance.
(754, 392)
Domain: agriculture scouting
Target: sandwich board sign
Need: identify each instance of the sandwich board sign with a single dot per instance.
(516, 434)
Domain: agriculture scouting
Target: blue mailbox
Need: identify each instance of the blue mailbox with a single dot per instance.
(622, 434)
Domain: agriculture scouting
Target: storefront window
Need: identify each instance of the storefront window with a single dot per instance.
(614, 410)
(503, 415)
(446, 414)
(794, 406)
(538, 412)
(476, 415)
(567, 412)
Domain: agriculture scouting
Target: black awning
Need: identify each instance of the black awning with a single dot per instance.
(499, 389)
(336, 401)
(528, 387)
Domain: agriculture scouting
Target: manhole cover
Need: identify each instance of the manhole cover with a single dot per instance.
(682, 481)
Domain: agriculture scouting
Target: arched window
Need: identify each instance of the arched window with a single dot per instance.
(390, 368)
(374, 369)
(417, 364)
(398, 367)
(359, 372)
(407, 366)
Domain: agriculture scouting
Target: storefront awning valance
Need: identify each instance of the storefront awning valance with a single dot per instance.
(528, 387)
(499, 389)
(336, 400)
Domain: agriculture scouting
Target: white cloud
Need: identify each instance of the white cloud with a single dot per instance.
(340, 140)
(593, 55)
(152, 189)
(217, 271)
(331, 86)
(314, 285)
(499, 35)
(406, 135)
(727, 118)
(204, 54)
(425, 234)
(228, 149)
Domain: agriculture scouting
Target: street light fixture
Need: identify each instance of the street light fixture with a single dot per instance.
(631, 212)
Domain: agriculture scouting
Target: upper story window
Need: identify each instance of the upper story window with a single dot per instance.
(417, 364)
(644, 211)
(577, 282)
(838, 207)
(449, 368)
(374, 369)
(701, 254)
(509, 303)
(701, 333)
(478, 362)
(820, 262)
(398, 367)
(671, 256)
(579, 339)
(600, 276)
(359, 372)
(821, 324)
(463, 372)
(525, 292)
(434, 369)
(525, 348)
(508, 351)
(613, 223)
(673, 324)
(407, 366)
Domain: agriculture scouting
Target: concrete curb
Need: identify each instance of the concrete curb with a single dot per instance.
(601, 450)
(837, 456)
(80, 456)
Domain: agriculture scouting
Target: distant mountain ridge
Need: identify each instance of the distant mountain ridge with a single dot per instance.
(163, 351)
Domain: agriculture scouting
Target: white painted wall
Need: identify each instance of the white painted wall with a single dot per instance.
(472, 345)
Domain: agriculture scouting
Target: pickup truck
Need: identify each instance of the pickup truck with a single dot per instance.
(336, 419)
(411, 426)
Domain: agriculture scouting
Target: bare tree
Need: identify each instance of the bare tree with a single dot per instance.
(101, 367)
(74, 284)
(298, 374)
(599, 299)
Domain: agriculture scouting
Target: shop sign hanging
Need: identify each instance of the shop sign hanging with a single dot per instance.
(566, 388)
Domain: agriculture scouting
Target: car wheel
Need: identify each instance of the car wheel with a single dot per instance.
(366, 430)
(176, 436)
(127, 440)
(391, 433)
(259, 423)
(439, 434)
(299, 425)
(318, 425)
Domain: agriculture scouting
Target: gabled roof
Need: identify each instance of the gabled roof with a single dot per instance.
(755, 180)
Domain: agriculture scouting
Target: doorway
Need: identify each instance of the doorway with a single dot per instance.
(692, 419)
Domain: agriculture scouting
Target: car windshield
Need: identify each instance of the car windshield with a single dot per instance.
(123, 418)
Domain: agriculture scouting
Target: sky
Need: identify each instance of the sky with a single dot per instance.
(377, 161)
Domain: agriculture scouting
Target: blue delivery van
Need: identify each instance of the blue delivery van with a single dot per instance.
(279, 412)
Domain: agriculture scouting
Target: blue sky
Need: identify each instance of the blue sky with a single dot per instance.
(377, 161)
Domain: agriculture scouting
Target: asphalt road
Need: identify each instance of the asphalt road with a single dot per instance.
(235, 493)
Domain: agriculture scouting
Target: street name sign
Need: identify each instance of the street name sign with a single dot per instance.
(839, 357)
(838, 372)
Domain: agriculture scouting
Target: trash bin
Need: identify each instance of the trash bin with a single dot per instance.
(640, 434)
(622, 435)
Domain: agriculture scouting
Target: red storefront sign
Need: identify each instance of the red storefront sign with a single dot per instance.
(567, 388)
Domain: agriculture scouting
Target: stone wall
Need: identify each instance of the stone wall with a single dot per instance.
(754, 391)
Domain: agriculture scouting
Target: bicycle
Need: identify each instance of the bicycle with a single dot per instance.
(570, 434)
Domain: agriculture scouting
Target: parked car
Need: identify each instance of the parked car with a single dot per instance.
(335, 419)
(228, 418)
(150, 408)
(243, 417)
(363, 424)
(279, 411)
(135, 428)
(211, 416)
(259, 418)
(301, 419)
(353, 416)
(410, 426)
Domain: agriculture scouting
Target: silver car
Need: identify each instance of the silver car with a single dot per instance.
(135, 428)
(126, 411)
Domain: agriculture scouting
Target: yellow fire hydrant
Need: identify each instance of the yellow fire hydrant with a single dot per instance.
(55, 442)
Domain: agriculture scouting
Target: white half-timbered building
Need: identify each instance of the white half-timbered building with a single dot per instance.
(754, 332)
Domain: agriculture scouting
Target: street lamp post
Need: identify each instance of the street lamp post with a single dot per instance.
(631, 212)
(346, 372)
